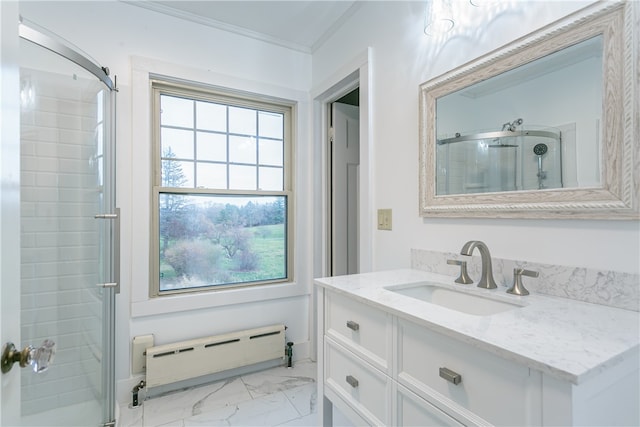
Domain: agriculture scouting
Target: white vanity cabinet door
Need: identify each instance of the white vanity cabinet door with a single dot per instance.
(491, 388)
(413, 411)
(364, 329)
(364, 388)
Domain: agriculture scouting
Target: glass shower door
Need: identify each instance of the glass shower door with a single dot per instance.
(67, 236)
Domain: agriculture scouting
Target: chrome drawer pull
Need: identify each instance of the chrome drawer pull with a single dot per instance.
(352, 325)
(353, 382)
(451, 376)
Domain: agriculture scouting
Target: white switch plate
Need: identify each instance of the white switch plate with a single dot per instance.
(384, 219)
(138, 353)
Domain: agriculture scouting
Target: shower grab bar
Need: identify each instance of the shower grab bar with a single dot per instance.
(500, 134)
(28, 33)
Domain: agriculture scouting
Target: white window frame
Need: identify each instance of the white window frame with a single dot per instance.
(203, 92)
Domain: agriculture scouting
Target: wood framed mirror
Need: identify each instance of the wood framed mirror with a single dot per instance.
(544, 127)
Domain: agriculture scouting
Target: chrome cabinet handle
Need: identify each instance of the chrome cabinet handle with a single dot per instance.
(451, 376)
(353, 382)
(39, 358)
(352, 325)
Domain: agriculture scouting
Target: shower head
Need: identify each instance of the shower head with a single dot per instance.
(540, 149)
(512, 126)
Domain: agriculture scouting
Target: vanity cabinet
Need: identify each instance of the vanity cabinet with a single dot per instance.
(357, 357)
(360, 385)
(380, 367)
(491, 390)
(365, 330)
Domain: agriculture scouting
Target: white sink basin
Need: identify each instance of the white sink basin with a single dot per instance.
(463, 302)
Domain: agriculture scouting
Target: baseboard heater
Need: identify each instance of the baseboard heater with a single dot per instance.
(185, 360)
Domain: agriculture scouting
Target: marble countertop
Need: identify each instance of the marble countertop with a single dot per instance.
(567, 339)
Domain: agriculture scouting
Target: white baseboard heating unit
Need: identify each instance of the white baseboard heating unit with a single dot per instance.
(184, 360)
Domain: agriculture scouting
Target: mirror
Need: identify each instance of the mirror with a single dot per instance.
(541, 128)
(556, 97)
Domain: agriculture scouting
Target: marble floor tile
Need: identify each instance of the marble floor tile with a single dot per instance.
(310, 420)
(269, 410)
(274, 397)
(130, 417)
(193, 401)
(176, 423)
(303, 398)
(280, 379)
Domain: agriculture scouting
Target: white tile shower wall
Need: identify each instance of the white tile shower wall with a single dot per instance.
(615, 289)
(59, 241)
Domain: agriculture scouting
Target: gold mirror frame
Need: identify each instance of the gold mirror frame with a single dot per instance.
(617, 196)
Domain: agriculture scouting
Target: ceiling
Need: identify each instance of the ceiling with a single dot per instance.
(301, 25)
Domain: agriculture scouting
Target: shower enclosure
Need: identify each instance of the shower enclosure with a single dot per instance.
(68, 238)
(510, 159)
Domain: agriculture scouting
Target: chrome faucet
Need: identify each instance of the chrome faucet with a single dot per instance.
(486, 281)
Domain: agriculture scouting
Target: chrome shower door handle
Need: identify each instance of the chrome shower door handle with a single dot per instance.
(115, 274)
(39, 358)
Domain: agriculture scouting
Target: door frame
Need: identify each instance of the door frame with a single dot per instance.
(356, 73)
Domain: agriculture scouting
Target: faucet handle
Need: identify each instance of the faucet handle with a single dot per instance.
(518, 288)
(464, 276)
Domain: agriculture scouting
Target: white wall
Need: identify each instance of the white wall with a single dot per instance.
(133, 41)
(403, 58)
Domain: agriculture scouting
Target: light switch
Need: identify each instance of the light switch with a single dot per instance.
(384, 219)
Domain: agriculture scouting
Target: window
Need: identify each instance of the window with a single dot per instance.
(221, 190)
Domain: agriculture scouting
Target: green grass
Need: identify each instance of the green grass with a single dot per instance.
(267, 243)
(269, 246)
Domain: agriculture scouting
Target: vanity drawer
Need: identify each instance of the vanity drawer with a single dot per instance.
(413, 411)
(363, 387)
(499, 391)
(364, 329)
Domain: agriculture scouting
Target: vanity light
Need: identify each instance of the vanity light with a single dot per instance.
(439, 26)
(438, 18)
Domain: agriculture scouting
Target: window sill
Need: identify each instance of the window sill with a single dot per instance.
(211, 299)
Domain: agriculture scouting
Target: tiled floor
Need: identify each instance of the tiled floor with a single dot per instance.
(275, 397)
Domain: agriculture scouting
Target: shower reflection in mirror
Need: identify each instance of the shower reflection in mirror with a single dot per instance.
(511, 159)
(533, 127)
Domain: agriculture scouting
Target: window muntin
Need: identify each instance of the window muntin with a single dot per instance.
(239, 140)
(222, 194)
